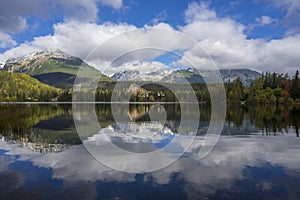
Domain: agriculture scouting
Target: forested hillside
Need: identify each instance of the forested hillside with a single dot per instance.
(270, 88)
(54, 68)
(22, 87)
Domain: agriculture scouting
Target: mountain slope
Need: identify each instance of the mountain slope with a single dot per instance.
(57, 79)
(44, 62)
(246, 75)
(181, 76)
(55, 68)
(22, 87)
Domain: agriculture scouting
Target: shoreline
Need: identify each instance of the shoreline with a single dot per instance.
(132, 103)
(162, 102)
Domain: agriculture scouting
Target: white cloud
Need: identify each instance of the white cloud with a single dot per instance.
(116, 4)
(75, 38)
(12, 24)
(14, 13)
(291, 20)
(6, 41)
(79, 10)
(212, 30)
(222, 39)
(79, 39)
(264, 20)
(281, 55)
(290, 6)
(160, 17)
(142, 67)
(227, 45)
(199, 12)
(219, 170)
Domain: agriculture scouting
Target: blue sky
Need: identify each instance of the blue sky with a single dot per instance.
(144, 12)
(257, 24)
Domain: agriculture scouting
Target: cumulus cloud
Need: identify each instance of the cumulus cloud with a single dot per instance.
(75, 38)
(264, 20)
(140, 44)
(6, 41)
(160, 17)
(219, 170)
(290, 6)
(281, 54)
(222, 42)
(199, 12)
(80, 10)
(116, 4)
(291, 20)
(13, 13)
(227, 45)
(12, 24)
(142, 67)
(79, 39)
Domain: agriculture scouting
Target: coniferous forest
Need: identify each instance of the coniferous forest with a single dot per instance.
(22, 87)
(271, 88)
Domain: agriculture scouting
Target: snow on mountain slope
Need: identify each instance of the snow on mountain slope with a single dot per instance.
(44, 62)
(180, 76)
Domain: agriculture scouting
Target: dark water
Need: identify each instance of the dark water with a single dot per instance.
(43, 157)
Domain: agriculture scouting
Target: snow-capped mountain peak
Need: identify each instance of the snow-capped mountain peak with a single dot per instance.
(58, 54)
(182, 75)
(135, 75)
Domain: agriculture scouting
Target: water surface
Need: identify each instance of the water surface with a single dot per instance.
(42, 156)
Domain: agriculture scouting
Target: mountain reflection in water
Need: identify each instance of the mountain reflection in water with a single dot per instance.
(257, 156)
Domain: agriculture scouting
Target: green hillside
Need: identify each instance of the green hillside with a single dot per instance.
(51, 66)
(22, 87)
(54, 68)
(44, 62)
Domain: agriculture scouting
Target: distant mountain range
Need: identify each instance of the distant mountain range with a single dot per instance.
(180, 76)
(59, 69)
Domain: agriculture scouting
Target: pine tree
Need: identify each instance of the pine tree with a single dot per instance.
(295, 88)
